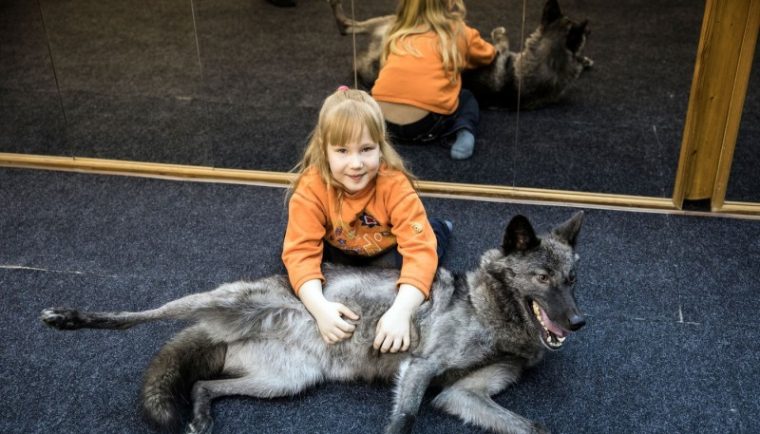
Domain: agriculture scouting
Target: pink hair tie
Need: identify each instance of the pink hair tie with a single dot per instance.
(343, 88)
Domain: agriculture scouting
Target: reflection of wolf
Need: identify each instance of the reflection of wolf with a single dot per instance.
(550, 62)
(472, 338)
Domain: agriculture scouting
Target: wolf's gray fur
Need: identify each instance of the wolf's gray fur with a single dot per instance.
(473, 337)
(538, 75)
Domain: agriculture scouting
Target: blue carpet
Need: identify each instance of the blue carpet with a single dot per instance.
(669, 344)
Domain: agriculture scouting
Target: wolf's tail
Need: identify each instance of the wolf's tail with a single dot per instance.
(189, 357)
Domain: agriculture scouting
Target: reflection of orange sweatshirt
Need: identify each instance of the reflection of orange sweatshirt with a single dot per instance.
(386, 213)
(421, 81)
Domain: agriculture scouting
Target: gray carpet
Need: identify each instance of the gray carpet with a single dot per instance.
(669, 345)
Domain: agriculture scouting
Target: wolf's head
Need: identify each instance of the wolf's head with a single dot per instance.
(551, 59)
(540, 273)
(561, 30)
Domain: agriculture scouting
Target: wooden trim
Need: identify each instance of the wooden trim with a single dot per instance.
(211, 174)
(687, 154)
(744, 208)
(158, 170)
(545, 196)
(738, 95)
(713, 102)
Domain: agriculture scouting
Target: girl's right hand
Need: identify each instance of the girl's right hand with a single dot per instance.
(328, 314)
(332, 325)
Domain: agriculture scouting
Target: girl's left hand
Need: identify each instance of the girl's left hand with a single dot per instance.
(393, 330)
(392, 333)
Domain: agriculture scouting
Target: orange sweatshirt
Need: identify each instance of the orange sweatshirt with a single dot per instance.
(421, 81)
(385, 214)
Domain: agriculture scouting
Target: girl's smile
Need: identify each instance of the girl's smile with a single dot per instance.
(355, 164)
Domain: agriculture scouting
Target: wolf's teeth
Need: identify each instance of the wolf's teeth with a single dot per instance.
(536, 310)
(551, 339)
(537, 313)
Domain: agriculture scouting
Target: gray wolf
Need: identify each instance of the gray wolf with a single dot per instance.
(472, 338)
(550, 62)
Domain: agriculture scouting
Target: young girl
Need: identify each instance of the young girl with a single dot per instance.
(353, 201)
(419, 86)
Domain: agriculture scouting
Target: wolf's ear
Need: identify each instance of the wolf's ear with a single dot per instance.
(568, 231)
(551, 12)
(519, 236)
(576, 36)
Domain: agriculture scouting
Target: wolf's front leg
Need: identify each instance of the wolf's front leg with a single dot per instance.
(500, 40)
(413, 380)
(470, 399)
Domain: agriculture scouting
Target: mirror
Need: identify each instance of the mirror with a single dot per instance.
(31, 121)
(237, 84)
(743, 183)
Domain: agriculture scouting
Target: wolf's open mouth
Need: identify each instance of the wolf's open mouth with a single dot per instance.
(552, 336)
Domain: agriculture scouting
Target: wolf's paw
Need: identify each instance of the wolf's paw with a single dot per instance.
(62, 319)
(500, 39)
(586, 62)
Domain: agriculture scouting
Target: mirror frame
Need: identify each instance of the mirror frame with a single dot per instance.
(728, 37)
(721, 77)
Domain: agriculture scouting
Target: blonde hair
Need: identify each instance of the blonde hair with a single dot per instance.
(344, 116)
(414, 17)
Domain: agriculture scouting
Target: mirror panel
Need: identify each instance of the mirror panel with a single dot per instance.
(266, 72)
(129, 79)
(238, 84)
(618, 129)
(31, 121)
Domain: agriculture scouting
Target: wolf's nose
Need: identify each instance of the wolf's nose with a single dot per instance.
(576, 322)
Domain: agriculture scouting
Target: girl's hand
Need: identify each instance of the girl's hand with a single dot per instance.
(332, 326)
(329, 315)
(393, 330)
(392, 333)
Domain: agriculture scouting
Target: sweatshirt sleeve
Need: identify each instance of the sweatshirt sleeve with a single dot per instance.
(416, 239)
(479, 51)
(302, 248)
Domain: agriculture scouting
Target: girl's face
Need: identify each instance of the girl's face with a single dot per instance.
(356, 163)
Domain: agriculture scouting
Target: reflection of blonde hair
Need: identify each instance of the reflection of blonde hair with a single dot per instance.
(443, 17)
(344, 116)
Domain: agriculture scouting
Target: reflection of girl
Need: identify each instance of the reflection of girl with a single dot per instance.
(354, 202)
(419, 86)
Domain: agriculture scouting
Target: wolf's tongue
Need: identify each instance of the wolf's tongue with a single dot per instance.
(554, 328)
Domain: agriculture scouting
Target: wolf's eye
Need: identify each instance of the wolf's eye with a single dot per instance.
(571, 278)
(543, 278)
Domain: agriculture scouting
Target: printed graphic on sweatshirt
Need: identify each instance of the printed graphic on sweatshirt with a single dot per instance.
(364, 236)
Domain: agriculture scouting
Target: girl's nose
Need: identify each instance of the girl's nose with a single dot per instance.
(356, 161)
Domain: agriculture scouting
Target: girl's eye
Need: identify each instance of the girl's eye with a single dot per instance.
(341, 150)
(368, 149)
